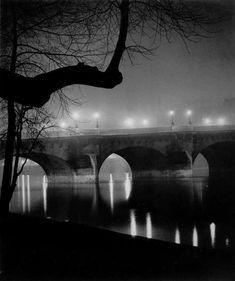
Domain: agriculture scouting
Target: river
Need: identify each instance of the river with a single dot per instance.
(197, 211)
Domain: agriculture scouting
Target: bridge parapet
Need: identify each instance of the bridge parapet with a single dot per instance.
(53, 133)
(153, 148)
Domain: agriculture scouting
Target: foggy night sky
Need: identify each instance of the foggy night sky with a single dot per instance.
(173, 79)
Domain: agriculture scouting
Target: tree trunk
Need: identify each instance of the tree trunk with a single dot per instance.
(7, 190)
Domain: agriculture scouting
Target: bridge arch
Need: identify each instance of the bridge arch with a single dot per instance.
(220, 157)
(143, 161)
(200, 166)
(115, 168)
(56, 169)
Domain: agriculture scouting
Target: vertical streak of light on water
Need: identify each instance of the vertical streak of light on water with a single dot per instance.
(18, 191)
(195, 237)
(149, 226)
(94, 198)
(44, 193)
(127, 185)
(227, 242)
(212, 232)
(133, 223)
(110, 177)
(28, 192)
(177, 236)
(10, 204)
(23, 193)
(111, 192)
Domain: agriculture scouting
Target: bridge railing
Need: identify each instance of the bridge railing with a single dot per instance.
(168, 129)
(81, 132)
(70, 132)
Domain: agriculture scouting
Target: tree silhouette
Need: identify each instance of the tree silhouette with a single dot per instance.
(47, 45)
(30, 123)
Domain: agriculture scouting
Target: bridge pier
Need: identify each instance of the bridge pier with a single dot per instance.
(179, 164)
(93, 158)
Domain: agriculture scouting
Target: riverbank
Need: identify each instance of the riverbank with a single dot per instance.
(40, 249)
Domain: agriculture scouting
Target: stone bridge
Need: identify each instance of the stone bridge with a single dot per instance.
(150, 152)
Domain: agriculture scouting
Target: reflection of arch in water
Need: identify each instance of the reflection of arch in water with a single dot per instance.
(115, 168)
(220, 157)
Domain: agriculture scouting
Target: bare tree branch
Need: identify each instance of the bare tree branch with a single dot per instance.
(83, 42)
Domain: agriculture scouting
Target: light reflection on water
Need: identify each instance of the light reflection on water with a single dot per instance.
(133, 223)
(111, 194)
(27, 197)
(23, 193)
(28, 192)
(148, 226)
(212, 232)
(44, 192)
(127, 184)
(177, 236)
(166, 210)
(195, 237)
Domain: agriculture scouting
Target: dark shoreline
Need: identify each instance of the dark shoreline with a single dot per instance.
(41, 249)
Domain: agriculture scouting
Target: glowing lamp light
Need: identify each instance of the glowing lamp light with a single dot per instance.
(129, 122)
(145, 122)
(96, 115)
(221, 121)
(63, 124)
(207, 121)
(172, 113)
(75, 115)
(189, 112)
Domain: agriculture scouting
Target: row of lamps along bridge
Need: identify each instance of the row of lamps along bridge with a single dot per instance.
(129, 122)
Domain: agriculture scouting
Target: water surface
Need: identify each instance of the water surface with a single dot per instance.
(197, 211)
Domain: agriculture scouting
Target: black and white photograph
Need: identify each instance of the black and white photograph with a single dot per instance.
(117, 140)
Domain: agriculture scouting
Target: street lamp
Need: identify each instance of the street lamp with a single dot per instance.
(207, 121)
(97, 116)
(129, 122)
(75, 117)
(221, 121)
(63, 124)
(172, 114)
(145, 122)
(189, 114)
